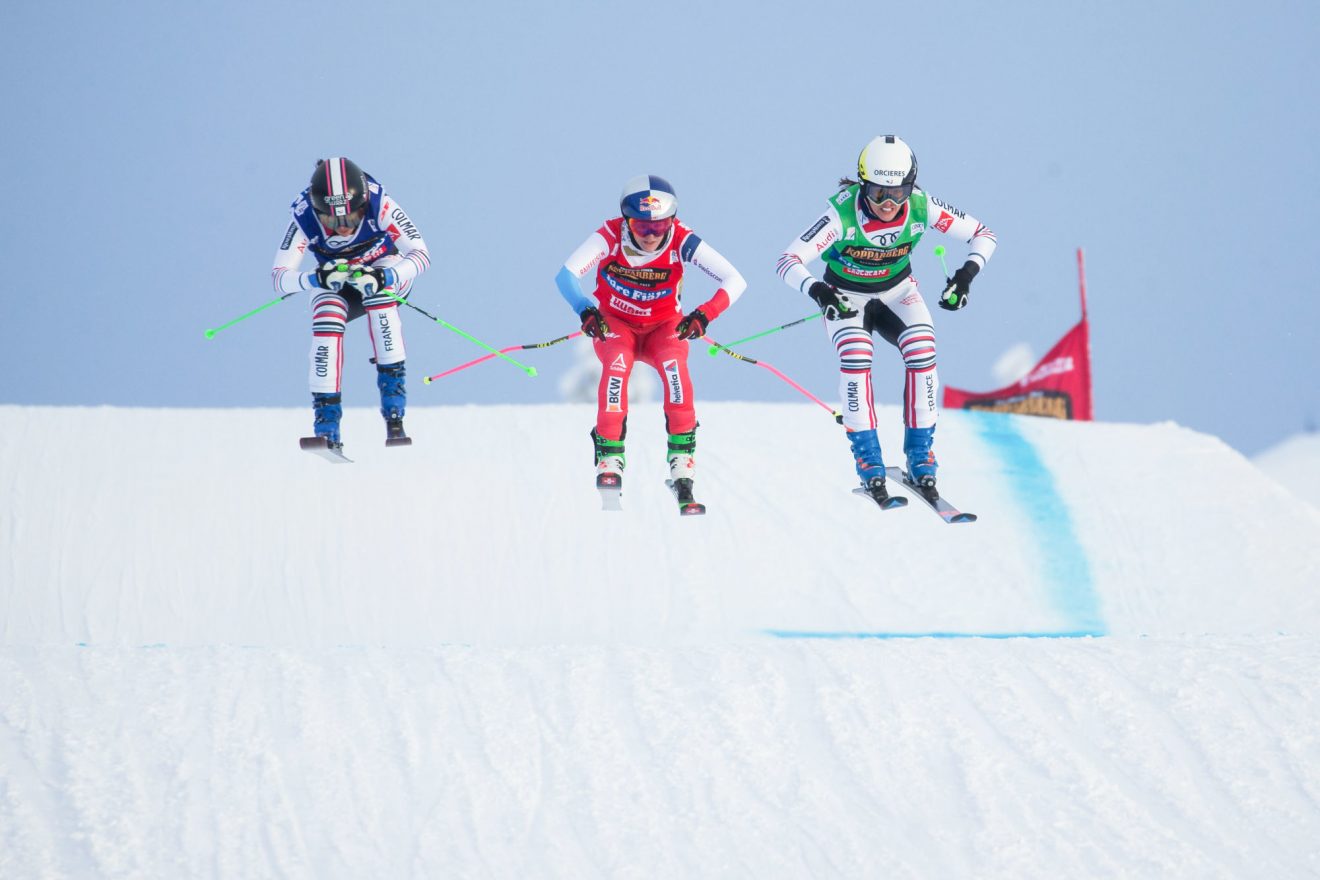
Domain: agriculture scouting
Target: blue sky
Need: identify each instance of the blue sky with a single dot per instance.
(156, 146)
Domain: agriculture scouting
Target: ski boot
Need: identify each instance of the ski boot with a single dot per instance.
(325, 428)
(393, 400)
(871, 469)
(682, 468)
(921, 464)
(610, 462)
(327, 412)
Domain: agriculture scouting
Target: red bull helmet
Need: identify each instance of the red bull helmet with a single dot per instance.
(648, 197)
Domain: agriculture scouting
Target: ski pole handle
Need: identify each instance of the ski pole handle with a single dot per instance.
(210, 334)
(714, 349)
(939, 252)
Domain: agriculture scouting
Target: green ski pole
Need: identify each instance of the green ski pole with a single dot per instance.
(715, 349)
(530, 371)
(210, 334)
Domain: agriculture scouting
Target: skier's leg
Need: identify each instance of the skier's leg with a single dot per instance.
(902, 317)
(616, 353)
(852, 340)
(669, 356)
(326, 359)
(386, 327)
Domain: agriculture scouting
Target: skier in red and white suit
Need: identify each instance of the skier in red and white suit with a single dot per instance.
(638, 260)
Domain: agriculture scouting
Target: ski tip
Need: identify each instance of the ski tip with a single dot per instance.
(693, 509)
(399, 441)
(963, 518)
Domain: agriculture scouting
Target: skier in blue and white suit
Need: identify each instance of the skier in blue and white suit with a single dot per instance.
(363, 242)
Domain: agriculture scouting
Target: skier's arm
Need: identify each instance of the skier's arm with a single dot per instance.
(822, 233)
(949, 220)
(578, 265)
(284, 275)
(713, 263)
(414, 257)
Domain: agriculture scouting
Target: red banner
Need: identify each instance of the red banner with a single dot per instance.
(1059, 386)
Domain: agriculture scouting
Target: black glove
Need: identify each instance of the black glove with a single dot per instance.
(833, 304)
(955, 294)
(693, 326)
(592, 323)
(332, 275)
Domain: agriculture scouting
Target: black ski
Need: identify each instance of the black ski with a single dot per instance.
(687, 505)
(933, 499)
(610, 487)
(331, 452)
(395, 435)
(881, 497)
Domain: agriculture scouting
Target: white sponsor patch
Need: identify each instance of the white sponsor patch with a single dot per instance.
(673, 382)
(614, 395)
(627, 307)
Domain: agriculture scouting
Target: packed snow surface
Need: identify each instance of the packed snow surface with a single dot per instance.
(224, 657)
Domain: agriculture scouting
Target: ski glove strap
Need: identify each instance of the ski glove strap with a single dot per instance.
(593, 324)
(693, 326)
(833, 304)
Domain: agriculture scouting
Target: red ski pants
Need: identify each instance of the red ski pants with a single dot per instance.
(653, 344)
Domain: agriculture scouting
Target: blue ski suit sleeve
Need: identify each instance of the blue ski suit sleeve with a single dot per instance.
(571, 291)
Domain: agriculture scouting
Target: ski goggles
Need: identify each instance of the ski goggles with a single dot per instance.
(641, 228)
(877, 194)
(352, 220)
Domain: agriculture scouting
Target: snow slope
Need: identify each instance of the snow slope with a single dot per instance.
(1295, 463)
(222, 657)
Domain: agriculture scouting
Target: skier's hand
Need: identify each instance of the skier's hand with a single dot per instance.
(593, 324)
(955, 294)
(332, 275)
(833, 304)
(370, 280)
(693, 326)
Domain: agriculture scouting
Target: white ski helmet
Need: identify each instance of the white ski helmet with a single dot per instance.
(648, 197)
(887, 162)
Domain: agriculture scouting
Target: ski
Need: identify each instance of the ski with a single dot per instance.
(610, 487)
(687, 505)
(888, 502)
(331, 452)
(937, 503)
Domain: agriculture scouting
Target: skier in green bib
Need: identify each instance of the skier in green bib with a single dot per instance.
(865, 240)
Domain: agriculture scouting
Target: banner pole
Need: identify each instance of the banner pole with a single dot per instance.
(1081, 279)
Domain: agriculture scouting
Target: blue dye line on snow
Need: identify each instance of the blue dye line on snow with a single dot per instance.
(1064, 566)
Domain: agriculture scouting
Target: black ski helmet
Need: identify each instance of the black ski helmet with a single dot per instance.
(339, 188)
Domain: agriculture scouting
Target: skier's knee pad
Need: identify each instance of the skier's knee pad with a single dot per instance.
(855, 348)
(917, 345)
(329, 314)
